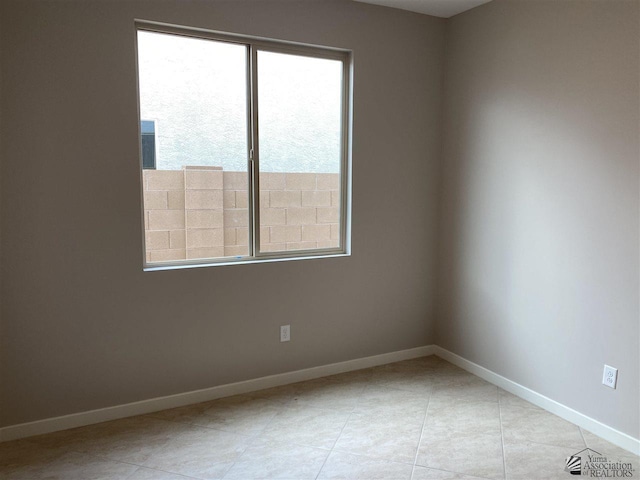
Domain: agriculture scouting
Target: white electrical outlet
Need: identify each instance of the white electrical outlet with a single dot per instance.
(285, 333)
(610, 376)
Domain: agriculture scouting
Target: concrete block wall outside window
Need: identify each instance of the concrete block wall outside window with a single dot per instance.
(202, 212)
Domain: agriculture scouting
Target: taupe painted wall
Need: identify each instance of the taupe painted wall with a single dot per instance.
(83, 326)
(539, 221)
(539, 277)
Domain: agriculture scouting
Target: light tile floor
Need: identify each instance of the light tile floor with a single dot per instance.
(419, 419)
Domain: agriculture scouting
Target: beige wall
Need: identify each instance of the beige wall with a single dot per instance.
(202, 212)
(83, 326)
(539, 223)
(539, 279)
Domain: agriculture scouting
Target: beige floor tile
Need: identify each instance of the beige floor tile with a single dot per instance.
(411, 380)
(463, 419)
(418, 365)
(411, 365)
(479, 455)
(607, 448)
(25, 461)
(277, 460)
(66, 439)
(373, 423)
(199, 452)
(423, 473)
(129, 440)
(245, 414)
(330, 393)
(474, 391)
(357, 377)
(612, 452)
(527, 461)
(447, 374)
(314, 427)
(382, 400)
(388, 437)
(521, 425)
(19, 455)
(22, 452)
(283, 393)
(187, 414)
(242, 414)
(346, 466)
(508, 399)
(150, 474)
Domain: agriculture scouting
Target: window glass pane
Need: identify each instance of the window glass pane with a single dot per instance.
(195, 200)
(299, 125)
(148, 132)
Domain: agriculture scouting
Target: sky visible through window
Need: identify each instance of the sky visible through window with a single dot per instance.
(195, 91)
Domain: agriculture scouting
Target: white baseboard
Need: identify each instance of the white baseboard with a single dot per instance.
(161, 403)
(594, 426)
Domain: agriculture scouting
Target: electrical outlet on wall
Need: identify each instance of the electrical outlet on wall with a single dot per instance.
(610, 376)
(285, 333)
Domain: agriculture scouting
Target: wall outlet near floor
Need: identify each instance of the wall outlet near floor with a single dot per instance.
(610, 376)
(285, 333)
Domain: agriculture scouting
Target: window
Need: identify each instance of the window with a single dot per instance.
(251, 158)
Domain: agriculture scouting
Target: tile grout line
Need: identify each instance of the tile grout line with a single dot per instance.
(504, 456)
(95, 456)
(583, 439)
(187, 477)
(341, 430)
(107, 458)
(285, 406)
(332, 446)
(424, 422)
(134, 472)
(526, 441)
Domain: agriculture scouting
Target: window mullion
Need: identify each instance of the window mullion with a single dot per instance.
(254, 160)
(250, 142)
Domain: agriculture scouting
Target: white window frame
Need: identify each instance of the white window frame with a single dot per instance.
(253, 45)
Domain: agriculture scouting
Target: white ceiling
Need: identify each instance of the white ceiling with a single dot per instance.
(437, 8)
